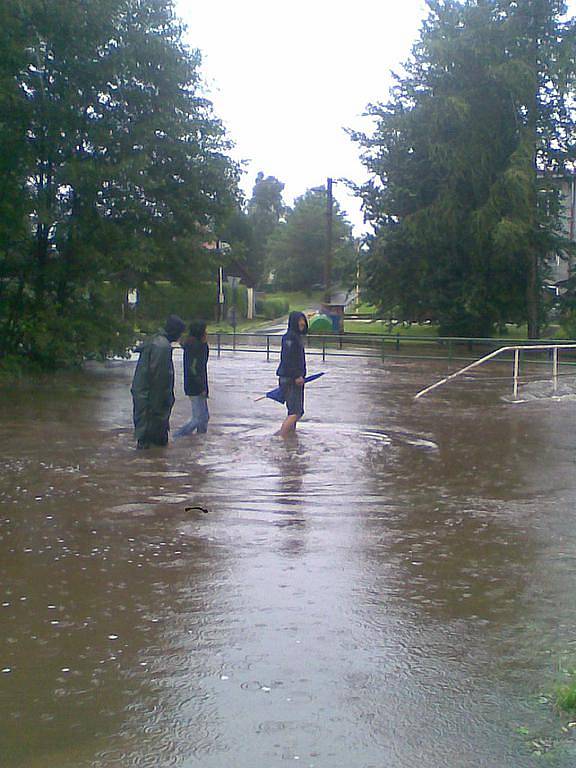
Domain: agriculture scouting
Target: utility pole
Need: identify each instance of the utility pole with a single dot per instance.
(328, 260)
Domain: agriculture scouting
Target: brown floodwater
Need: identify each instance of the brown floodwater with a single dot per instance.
(392, 588)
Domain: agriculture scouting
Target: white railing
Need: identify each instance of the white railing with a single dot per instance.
(516, 371)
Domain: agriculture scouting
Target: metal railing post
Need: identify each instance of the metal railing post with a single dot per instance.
(397, 342)
(323, 349)
(267, 348)
(555, 369)
(219, 345)
(516, 370)
(501, 350)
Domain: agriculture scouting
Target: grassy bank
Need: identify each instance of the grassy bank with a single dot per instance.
(382, 327)
(245, 326)
(298, 301)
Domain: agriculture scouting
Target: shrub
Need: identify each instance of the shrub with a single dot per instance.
(12, 368)
(566, 697)
(49, 340)
(272, 308)
(157, 301)
(568, 324)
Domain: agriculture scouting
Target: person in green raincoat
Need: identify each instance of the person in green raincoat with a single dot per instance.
(153, 386)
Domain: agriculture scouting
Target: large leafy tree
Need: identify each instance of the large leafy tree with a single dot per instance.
(122, 169)
(463, 159)
(265, 210)
(242, 251)
(297, 247)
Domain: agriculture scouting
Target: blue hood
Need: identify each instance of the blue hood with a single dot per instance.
(293, 319)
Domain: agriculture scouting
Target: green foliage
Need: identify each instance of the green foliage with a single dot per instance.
(15, 368)
(113, 168)
(157, 301)
(568, 323)
(565, 693)
(248, 227)
(272, 308)
(49, 340)
(265, 210)
(240, 300)
(463, 224)
(566, 697)
(191, 301)
(297, 248)
(242, 251)
(266, 206)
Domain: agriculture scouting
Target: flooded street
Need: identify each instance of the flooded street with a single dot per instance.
(392, 588)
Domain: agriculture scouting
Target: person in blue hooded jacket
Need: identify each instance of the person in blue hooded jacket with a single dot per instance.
(292, 370)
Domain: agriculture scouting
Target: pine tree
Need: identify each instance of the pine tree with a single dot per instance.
(477, 123)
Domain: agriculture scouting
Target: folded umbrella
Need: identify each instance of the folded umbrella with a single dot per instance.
(278, 395)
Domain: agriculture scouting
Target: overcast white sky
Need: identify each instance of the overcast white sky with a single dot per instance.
(287, 77)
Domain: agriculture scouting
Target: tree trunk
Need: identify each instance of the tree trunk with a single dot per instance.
(533, 295)
(41, 263)
(533, 271)
(10, 337)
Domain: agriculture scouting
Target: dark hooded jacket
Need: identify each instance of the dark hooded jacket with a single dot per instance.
(293, 358)
(195, 361)
(153, 384)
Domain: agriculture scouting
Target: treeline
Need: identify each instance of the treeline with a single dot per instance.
(284, 247)
(115, 172)
(116, 175)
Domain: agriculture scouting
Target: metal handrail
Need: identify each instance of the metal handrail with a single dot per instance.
(516, 349)
(392, 337)
(379, 337)
(362, 345)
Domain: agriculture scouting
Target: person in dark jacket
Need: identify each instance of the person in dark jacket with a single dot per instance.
(153, 386)
(196, 353)
(292, 370)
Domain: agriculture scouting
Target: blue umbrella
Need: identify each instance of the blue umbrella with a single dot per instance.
(277, 394)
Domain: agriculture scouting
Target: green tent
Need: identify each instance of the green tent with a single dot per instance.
(320, 324)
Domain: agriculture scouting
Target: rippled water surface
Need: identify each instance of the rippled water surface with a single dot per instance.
(392, 588)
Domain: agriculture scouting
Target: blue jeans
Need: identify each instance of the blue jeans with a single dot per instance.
(200, 416)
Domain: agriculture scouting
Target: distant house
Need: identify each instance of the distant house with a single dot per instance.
(562, 268)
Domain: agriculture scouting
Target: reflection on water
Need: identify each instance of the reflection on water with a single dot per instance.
(392, 587)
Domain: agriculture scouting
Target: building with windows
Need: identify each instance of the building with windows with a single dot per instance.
(561, 268)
